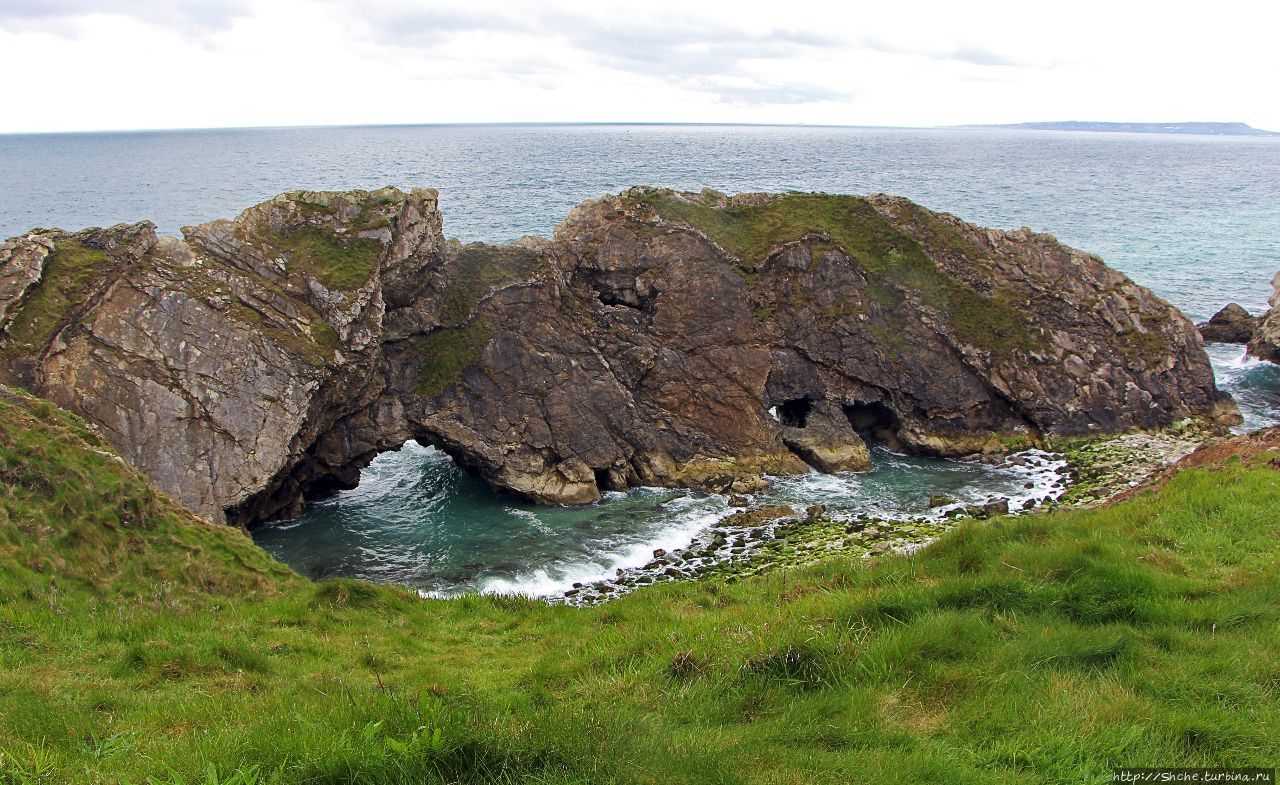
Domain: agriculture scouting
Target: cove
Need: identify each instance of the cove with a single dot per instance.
(417, 519)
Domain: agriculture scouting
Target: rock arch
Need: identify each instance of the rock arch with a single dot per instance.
(262, 361)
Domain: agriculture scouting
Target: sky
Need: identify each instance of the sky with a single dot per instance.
(74, 65)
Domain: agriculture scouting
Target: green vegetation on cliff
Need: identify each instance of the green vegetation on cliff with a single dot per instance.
(136, 643)
(447, 352)
(338, 263)
(749, 230)
(69, 275)
(478, 267)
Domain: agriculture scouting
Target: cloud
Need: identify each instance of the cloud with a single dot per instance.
(783, 94)
(961, 53)
(187, 16)
(416, 26)
(670, 48)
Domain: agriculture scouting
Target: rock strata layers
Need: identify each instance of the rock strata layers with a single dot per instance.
(657, 338)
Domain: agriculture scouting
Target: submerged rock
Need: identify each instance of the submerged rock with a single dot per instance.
(658, 338)
(1233, 324)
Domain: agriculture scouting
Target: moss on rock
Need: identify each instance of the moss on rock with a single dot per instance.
(477, 268)
(339, 263)
(752, 228)
(69, 276)
(447, 352)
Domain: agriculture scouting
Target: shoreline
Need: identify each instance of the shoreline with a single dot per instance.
(754, 540)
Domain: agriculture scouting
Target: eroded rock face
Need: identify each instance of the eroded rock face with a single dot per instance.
(1265, 344)
(215, 364)
(1233, 324)
(657, 338)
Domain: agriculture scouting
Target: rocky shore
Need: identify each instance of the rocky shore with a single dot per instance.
(1086, 472)
(657, 338)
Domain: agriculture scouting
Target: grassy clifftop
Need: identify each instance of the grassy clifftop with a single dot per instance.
(750, 229)
(136, 643)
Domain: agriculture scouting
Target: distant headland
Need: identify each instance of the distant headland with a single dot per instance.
(1200, 129)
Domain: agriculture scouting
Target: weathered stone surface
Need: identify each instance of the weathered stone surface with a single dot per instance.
(218, 365)
(1265, 344)
(266, 360)
(1232, 324)
(825, 439)
(22, 261)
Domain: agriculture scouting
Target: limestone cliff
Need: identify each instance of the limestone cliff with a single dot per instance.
(657, 338)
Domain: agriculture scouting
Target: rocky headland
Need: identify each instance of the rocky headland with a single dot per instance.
(657, 338)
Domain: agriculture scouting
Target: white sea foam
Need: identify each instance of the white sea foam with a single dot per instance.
(529, 517)
(697, 516)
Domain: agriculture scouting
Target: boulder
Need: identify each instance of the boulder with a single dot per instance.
(1232, 324)
(826, 440)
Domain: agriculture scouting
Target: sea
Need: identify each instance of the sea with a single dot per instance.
(1196, 219)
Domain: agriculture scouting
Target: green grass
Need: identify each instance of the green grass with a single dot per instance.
(342, 264)
(893, 257)
(69, 275)
(477, 268)
(136, 643)
(447, 352)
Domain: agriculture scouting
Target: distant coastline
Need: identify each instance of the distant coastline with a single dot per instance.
(1196, 129)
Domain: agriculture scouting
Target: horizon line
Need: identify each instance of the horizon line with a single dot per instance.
(618, 123)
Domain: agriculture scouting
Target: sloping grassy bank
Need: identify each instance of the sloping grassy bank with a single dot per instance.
(137, 643)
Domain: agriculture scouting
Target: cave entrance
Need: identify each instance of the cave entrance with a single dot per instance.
(875, 421)
(794, 413)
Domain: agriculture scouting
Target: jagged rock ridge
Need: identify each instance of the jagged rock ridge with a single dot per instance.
(657, 338)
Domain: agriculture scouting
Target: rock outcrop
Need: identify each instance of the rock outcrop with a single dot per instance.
(657, 338)
(1233, 324)
(1265, 343)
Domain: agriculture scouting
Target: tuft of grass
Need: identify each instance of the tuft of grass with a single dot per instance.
(447, 352)
(340, 263)
(70, 274)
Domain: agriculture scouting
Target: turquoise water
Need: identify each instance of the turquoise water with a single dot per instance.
(1197, 219)
(419, 520)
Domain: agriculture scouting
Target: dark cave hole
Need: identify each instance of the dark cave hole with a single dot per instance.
(875, 421)
(795, 412)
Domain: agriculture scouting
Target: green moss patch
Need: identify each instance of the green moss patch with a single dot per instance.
(751, 230)
(70, 274)
(449, 351)
(340, 263)
(476, 269)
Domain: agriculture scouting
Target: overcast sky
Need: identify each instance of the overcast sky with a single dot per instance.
(123, 64)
